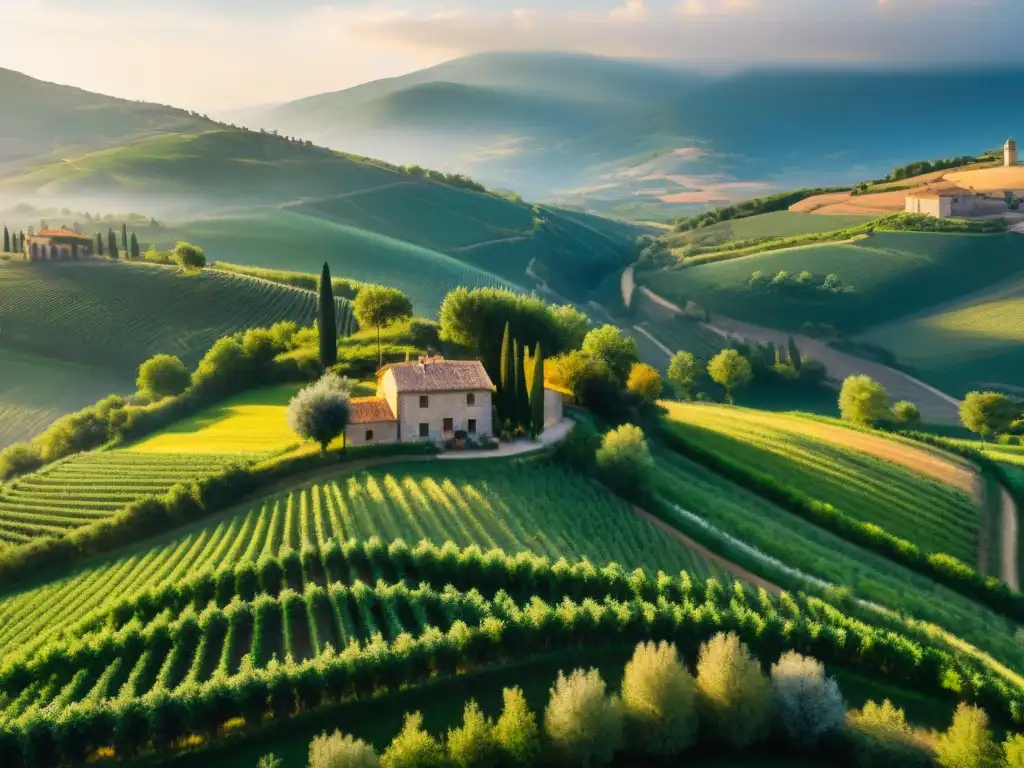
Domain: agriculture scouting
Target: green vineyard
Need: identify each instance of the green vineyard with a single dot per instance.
(92, 487)
(161, 660)
(119, 315)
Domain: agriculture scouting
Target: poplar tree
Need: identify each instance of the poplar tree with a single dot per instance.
(537, 391)
(124, 237)
(112, 244)
(134, 247)
(7, 240)
(506, 384)
(99, 244)
(326, 321)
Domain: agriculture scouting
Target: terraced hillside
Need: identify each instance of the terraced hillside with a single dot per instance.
(92, 487)
(120, 314)
(975, 343)
(761, 227)
(907, 490)
(886, 276)
(34, 391)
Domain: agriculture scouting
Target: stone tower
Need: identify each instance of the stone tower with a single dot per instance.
(1010, 153)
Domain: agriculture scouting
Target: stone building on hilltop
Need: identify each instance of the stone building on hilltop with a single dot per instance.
(1010, 153)
(57, 244)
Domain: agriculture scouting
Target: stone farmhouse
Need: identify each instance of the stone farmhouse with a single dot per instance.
(986, 192)
(431, 399)
(54, 244)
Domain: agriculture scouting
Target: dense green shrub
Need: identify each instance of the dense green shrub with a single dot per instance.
(906, 414)
(341, 751)
(516, 732)
(473, 745)
(624, 461)
(162, 376)
(862, 400)
(880, 737)
(735, 695)
(610, 346)
(413, 747)
(968, 742)
(645, 382)
(659, 701)
(808, 705)
(582, 722)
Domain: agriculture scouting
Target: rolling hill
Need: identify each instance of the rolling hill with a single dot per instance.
(609, 134)
(41, 119)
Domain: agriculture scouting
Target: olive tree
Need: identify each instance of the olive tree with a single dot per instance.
(862, 400)
(320, 412)
(731, 370)
(808, 705)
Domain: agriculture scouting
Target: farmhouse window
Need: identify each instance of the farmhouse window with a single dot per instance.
(472, 426)
(471, 399)
(424, 430)
(448, 426)
(424, 401)
(369, 435)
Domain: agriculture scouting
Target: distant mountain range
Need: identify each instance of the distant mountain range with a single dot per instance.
(604, 132)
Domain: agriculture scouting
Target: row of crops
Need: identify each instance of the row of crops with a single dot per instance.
(92, 487)
(517, 507)
(812, 550)
(934, 515)
(120, 314)
(220, 646)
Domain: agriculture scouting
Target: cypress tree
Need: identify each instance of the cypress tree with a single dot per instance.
(134, 247)
(112, 243)
(326, 320)
(99, 244)
(537, 391)
(7, 240)
(124, 237)
(506, 384)
(794, 354)
(522, 394)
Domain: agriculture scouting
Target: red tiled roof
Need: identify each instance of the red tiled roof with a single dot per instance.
(369, 410)
(435, 374)
(61, 233)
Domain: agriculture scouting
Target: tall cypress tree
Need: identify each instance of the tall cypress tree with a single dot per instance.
(537, 392)
(99, 244)
(124, 237)
(326, 320)
(506, 384)
(794, 354)
(7, 240)
(522, 394)
(133, 250)
(112, 243)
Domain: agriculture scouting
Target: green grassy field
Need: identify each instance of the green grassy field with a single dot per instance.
(35, 390)
(926, 500)
(269, 238)
(892, 275)
(254, 422)
(975, 344)
(799, 544)
(119, 314)
(762, 227)
(92, 487)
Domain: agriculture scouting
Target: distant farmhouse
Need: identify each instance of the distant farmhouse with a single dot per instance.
(984, 192)
(54, 244)
(431, 399)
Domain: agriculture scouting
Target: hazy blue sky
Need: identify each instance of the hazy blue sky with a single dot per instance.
(210, 54)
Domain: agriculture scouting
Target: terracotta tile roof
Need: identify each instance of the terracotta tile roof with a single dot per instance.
(61, 233)
(369, 410)
(940, 189)
(436, 374)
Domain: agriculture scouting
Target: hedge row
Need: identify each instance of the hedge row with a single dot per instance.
(945, 569)
(508, 633)
(182, 504)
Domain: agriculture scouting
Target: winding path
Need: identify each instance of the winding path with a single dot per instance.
(1010, 531)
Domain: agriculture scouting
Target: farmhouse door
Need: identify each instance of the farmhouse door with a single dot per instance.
(449, 426)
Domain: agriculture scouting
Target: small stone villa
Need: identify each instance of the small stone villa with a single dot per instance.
(431, 399)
